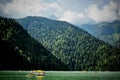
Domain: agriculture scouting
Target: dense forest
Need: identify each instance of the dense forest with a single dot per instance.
(106, 31)
(72, 45)
(19, 51)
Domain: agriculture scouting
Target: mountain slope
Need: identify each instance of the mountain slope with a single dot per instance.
(72, 45)
(108, 32)
(19, 51)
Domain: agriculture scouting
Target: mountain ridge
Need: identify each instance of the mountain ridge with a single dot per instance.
(72, 45)
(19, 51)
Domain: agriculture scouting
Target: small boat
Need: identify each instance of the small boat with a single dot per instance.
(38, 72)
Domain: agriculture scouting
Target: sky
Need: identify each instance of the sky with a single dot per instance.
(74, 11)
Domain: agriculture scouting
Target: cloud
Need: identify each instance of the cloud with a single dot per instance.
(108, 13)
(21, 8)
(74, 11)
(72, 17)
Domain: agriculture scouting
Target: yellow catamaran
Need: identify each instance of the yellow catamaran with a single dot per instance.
(38, 72)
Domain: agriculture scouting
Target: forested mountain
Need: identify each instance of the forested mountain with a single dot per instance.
(19, 51)
(108, 32)
(72, 45)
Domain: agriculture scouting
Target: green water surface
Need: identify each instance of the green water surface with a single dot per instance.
(59, 75)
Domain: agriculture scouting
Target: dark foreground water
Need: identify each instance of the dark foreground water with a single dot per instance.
(59, 75)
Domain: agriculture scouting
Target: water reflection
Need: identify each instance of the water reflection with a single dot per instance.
(33, 77)
(39, 77)
(29, 75)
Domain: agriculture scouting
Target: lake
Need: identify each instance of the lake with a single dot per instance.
(60, 75)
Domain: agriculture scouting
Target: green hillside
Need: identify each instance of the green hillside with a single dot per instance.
(72, 45)
(108, 32)
(19, 51)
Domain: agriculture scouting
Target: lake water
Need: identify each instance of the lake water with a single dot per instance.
(60, 75)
